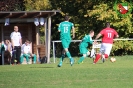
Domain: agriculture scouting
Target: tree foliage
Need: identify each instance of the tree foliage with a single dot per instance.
(32, 5)
(87, 15)
(11, 5)
(93, 14)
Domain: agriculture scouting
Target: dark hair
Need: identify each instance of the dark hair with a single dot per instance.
(66, 17)
(91, 31)
(108, 24)
(27, 40)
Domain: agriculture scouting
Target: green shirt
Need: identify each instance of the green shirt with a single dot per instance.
(87, 39)
(65, 29)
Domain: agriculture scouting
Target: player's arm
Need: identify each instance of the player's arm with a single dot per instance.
(98, 36)
(59, 27)
(12, 42)
(73, 30)
(116, 35)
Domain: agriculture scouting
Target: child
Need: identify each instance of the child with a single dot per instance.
(26, 52)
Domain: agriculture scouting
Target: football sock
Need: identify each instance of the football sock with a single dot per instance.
(68, 54)
(62, 57)
(97, 58)
(80, 60)
(106, 56)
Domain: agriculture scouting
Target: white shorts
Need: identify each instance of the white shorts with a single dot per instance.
(105, 48)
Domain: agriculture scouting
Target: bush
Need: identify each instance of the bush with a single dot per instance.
(122, 48)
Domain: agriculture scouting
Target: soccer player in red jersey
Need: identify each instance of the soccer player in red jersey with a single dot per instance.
(108, 34)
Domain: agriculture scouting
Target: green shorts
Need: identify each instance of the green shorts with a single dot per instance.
(65, 43)
(83, 49)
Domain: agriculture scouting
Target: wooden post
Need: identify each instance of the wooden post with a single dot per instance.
(30, 35)
(49, 39)
(2, 36)
(37, 41)
(46, 35)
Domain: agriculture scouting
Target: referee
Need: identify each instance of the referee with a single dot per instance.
(16, 41)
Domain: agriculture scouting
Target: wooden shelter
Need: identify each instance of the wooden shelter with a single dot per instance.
(25, 21)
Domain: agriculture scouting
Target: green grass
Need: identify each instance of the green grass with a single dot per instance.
(86, 75)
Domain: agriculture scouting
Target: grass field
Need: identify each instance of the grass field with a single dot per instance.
(86, 75)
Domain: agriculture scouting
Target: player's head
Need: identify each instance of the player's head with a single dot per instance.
(91, 33)
(108, 24)
(27, 41)
(66, 18)
(16, 28)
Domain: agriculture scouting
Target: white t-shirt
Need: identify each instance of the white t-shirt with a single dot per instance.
(25, 48)
(9, 46)
(16, 36)
(5, 46)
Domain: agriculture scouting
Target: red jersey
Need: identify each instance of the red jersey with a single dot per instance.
(108, 34)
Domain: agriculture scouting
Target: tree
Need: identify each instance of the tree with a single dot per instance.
(92, 14)
(11, 5)
(31, 5)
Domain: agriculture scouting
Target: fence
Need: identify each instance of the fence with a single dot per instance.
(57, 41)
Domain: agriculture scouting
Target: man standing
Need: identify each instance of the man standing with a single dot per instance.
(84, 44)
(16, 41)
(65, 28)
(108, 34)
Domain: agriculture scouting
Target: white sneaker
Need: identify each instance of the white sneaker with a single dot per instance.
(27, 62)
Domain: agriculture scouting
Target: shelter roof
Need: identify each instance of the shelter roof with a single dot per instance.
(26, 14)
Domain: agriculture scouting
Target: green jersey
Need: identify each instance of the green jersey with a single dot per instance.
(87, 39)
(65, 29)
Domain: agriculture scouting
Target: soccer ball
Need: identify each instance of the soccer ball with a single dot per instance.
(112, 59)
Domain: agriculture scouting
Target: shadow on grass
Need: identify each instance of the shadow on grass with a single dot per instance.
(41, 67)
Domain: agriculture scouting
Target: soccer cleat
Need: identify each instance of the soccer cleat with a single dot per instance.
(72, 61)
(94, 63)
(80, 62)
(34, 62)
(103, 58)
(60, 64)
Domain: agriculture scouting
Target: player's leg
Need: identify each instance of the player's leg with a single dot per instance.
(98, 56)
(83, 51)
(62, 55)
(21, 59)
(27, 57)
(92, 53)
(66, 46)
(82, 58)
(62, 58)
(34, 58)
(108, 48)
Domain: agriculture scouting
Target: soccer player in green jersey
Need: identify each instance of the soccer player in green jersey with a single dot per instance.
(65, 28)
(84, 44)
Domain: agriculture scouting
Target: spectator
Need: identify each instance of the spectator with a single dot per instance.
(16, 41)
(8, 51)
(26, 52)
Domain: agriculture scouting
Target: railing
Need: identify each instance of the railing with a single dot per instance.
(79, 41)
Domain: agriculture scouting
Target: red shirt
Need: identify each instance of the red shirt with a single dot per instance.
(108, 34)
